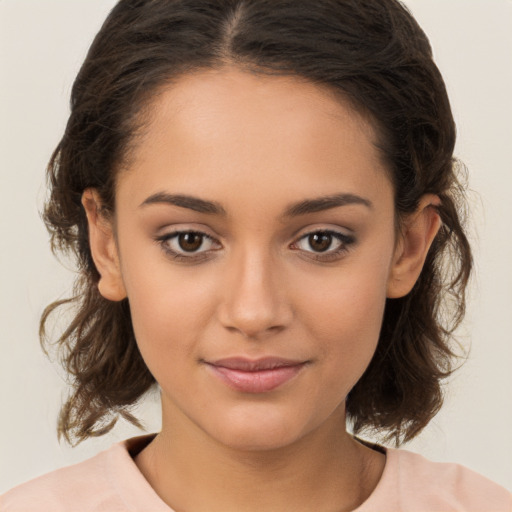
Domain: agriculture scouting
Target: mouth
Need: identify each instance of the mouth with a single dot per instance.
(255, 376)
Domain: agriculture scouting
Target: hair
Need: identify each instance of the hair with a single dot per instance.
(375, 55)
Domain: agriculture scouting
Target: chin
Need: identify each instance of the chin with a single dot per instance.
(253, 440)
(259, 430)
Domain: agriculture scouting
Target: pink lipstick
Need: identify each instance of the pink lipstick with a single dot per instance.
(255, 376)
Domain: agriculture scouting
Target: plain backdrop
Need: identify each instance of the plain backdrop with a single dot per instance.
(42, 44)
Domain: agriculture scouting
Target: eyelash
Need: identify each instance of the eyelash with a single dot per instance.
(332, 255)
(192, 257)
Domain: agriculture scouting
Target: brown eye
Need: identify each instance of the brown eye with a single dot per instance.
(188, 245)
(190, 242)
(320, 241)
(324, 245)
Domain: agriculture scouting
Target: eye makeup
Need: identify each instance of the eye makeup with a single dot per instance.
(324, 245)
(188, 245)
(192, 246)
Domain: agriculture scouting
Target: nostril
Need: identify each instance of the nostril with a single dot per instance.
(257, 334)
(254, 303)
(255, 324)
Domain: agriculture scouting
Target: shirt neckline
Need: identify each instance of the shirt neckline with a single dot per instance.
(137, 494)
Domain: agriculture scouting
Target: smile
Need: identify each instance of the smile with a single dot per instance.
(259, 376)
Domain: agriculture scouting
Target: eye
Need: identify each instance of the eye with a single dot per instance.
(321, 241)
(188, 244)
(324, 244)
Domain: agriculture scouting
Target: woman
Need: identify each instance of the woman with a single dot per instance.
(260, 196)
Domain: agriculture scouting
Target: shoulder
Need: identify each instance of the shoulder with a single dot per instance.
(64, 489)
(423, 485)
(105, 482)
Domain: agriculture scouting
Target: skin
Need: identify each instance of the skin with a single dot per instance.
(254, 146)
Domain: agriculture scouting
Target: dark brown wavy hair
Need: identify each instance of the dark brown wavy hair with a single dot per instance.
(373, 53)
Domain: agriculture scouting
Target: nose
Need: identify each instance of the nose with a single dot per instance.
(254, 301)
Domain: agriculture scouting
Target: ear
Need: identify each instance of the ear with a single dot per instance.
(103, 248)
(418, 232)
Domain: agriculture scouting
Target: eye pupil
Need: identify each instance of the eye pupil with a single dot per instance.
(320, 242)
(190, 242)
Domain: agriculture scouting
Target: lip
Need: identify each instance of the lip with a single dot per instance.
(255, 376)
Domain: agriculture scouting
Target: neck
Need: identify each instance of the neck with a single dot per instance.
(326, 470)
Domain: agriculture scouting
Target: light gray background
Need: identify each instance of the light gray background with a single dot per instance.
(42, 44)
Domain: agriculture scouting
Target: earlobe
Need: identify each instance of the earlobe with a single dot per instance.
(418, 234)
(103, 248)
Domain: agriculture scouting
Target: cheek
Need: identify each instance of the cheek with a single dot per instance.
(352, 295)
(169, 307)
(350, 318)
(345, 315)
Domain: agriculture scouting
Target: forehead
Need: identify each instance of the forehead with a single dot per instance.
(252, 97)
(227, 127)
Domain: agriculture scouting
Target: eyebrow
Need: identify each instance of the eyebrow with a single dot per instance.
(301, 208)
(184, 201)
(325, 203)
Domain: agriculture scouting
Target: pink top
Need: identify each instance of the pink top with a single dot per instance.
(111, 482)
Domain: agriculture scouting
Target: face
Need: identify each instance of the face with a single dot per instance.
(255, 236)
